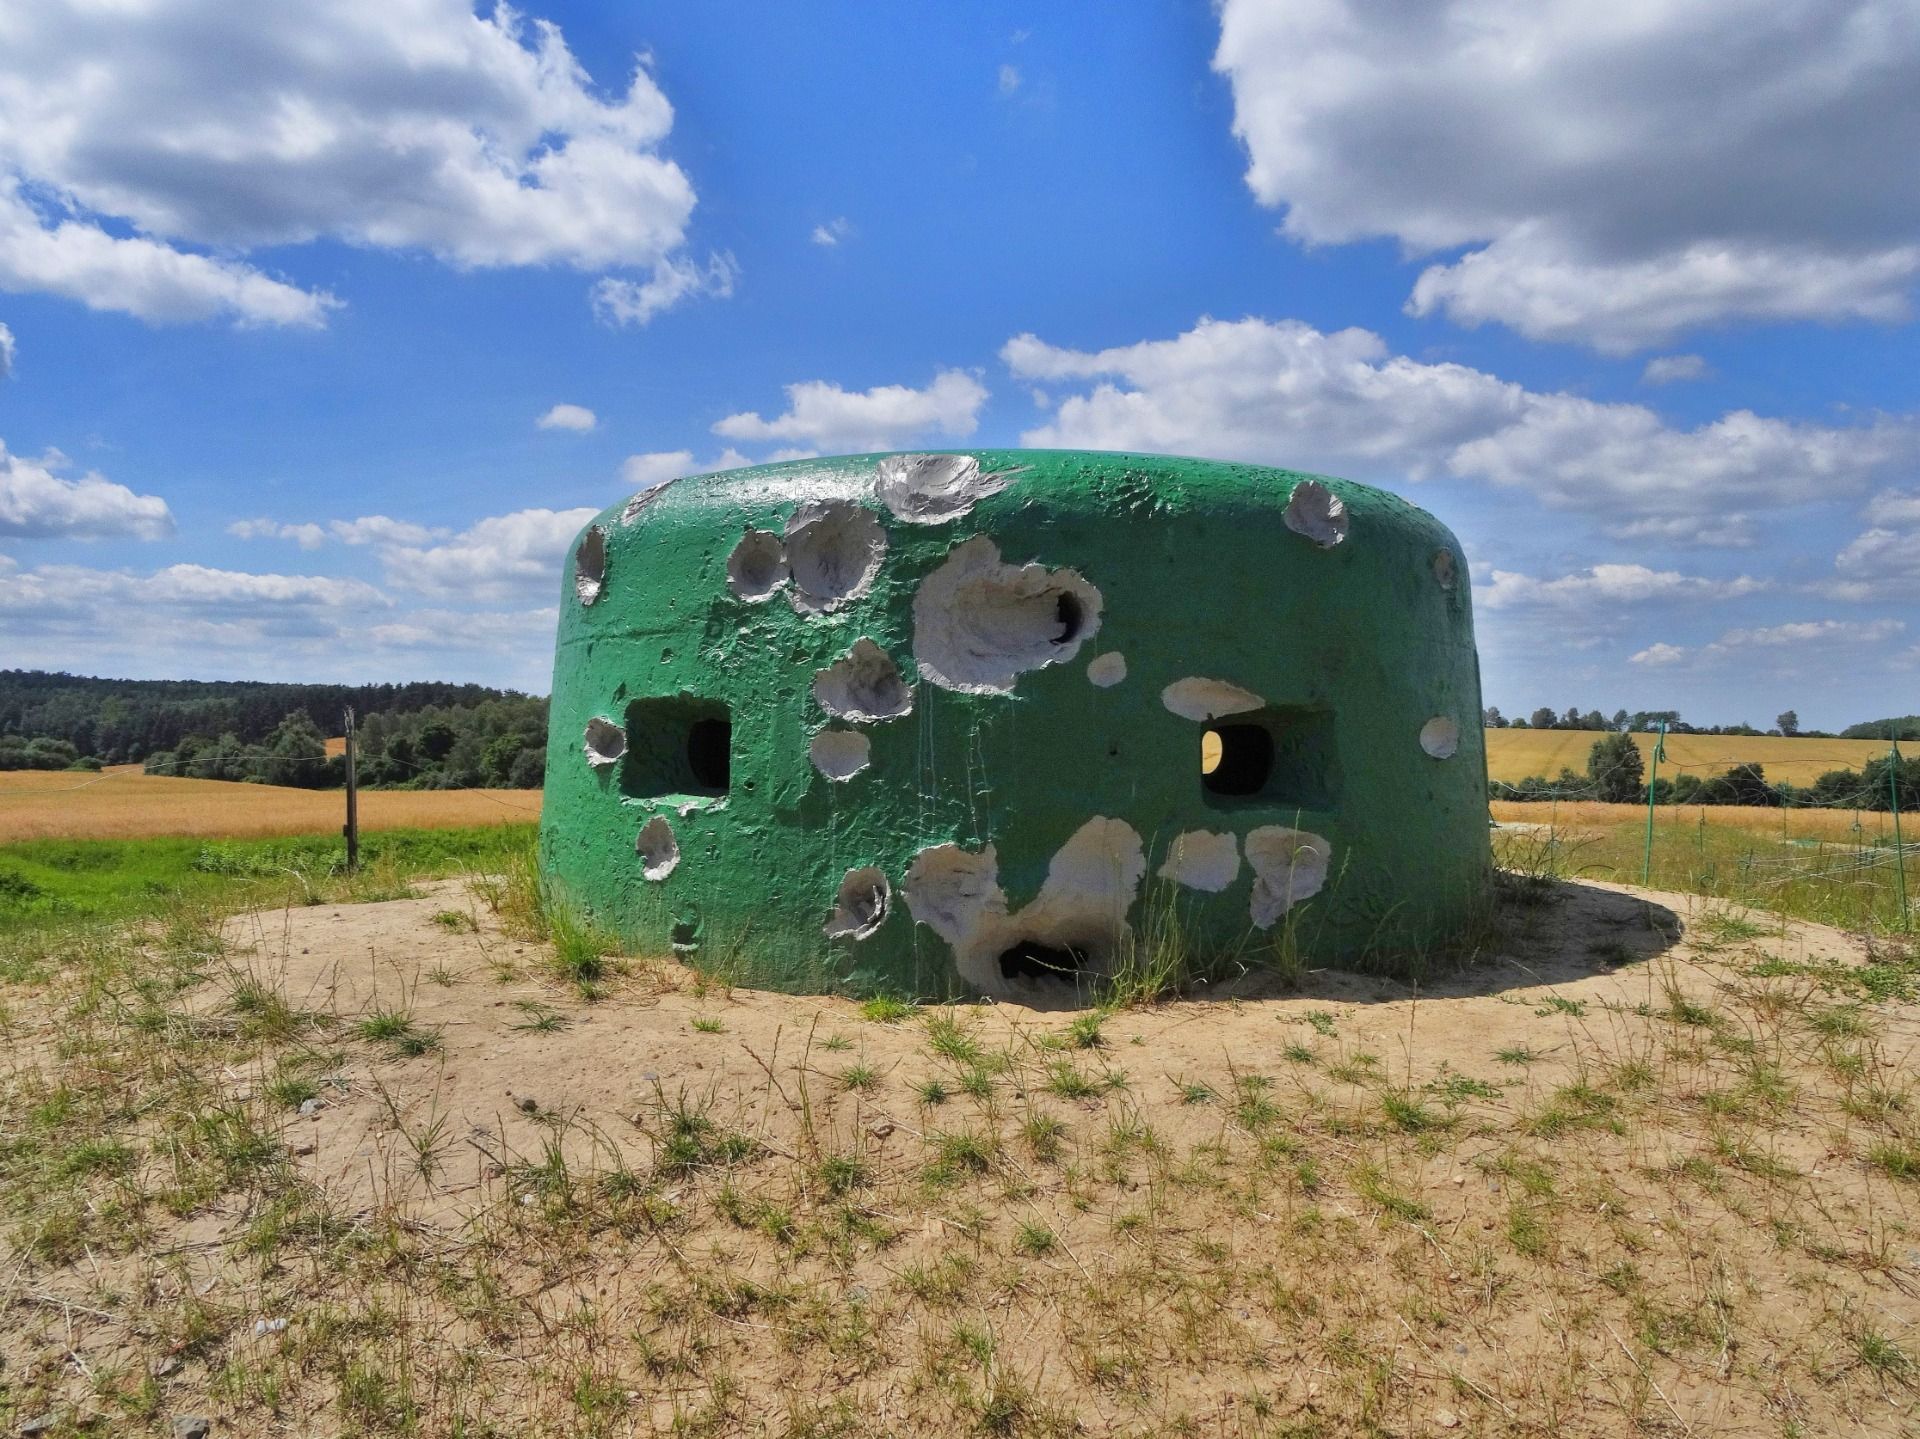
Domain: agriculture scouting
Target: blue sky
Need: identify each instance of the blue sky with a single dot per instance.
(1622, 294)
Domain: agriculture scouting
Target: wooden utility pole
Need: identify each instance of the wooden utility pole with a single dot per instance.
(352, 827)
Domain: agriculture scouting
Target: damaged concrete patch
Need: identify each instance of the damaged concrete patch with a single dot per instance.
(1107, 670)
(1203, 860)
(864, 686)
(933, 489)
(659, 851)
(1318, 513)
(1445, 569)
(590, 566)
(834, 549)
(1071, 930)
(840, 754)
(979, 624)
(1440, 737)
(757, 568)
(1200, 699)
(605, 743)
(1289, 865)
(954, 892)
(861, 906)
(637, 506)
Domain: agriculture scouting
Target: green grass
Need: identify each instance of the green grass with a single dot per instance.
(55, 884)
(1832, 882)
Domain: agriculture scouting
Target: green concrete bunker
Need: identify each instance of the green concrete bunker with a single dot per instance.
(1002, 722)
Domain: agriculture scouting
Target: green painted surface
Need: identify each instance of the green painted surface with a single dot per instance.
(1351, 651)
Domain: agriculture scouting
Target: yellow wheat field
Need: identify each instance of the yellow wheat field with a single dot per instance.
(1514, 754)
(1836, 825)
(125, 804)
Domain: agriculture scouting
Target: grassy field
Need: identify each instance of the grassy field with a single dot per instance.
(1516, 754)
(1810, 863)
(125, 804)
(49, 884)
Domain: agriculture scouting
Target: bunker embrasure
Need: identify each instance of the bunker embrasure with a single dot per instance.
(1020, 710)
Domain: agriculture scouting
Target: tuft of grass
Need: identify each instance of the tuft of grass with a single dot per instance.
(539, 1019)
(1882, 1355)
(946, 1038)
(1370, 1183)
(959, 1152)
(396, 1029)
(454, 921)
(886, 1009)
(579, 950)
(859, 1077)
(1045, 1134)
(1897, 1159)
(840, 1174)
(1069, 1081)
(1085, 1030)
(708, 1024)
(1033, 1240)
(1527, 1230)
(1409, 1114)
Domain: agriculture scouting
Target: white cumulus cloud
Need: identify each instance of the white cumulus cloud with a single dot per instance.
(1281, 392)
(1616, 173)
(821, 416)
(1672, 369)
(497, 557)
(307, 536)
(643, 472)
(1658, 653)
(1607, 585)
(833, 232)
(568, 417)
(36, 503)
(1812, 632)
(366, 530)
(634, 302)
(200, 132)
(6, 352)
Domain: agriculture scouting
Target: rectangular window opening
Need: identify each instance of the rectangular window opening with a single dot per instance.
(1282, 757)
(677, 748)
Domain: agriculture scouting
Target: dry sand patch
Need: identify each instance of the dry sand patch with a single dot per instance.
(1611, 1182)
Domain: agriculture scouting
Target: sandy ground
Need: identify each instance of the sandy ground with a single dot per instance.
(500, 1083)
(1698, 1244)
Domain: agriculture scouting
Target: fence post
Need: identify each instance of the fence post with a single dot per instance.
(1653, 773)
(1899, 851)
(351, 829)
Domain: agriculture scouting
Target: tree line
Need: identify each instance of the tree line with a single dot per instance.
(1647, 721)
(1617, 774)
(1787, 724)
(420, 735)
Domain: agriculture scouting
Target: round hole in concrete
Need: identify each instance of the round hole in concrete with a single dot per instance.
(605, 742)
(757, 568)
(590, 566)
